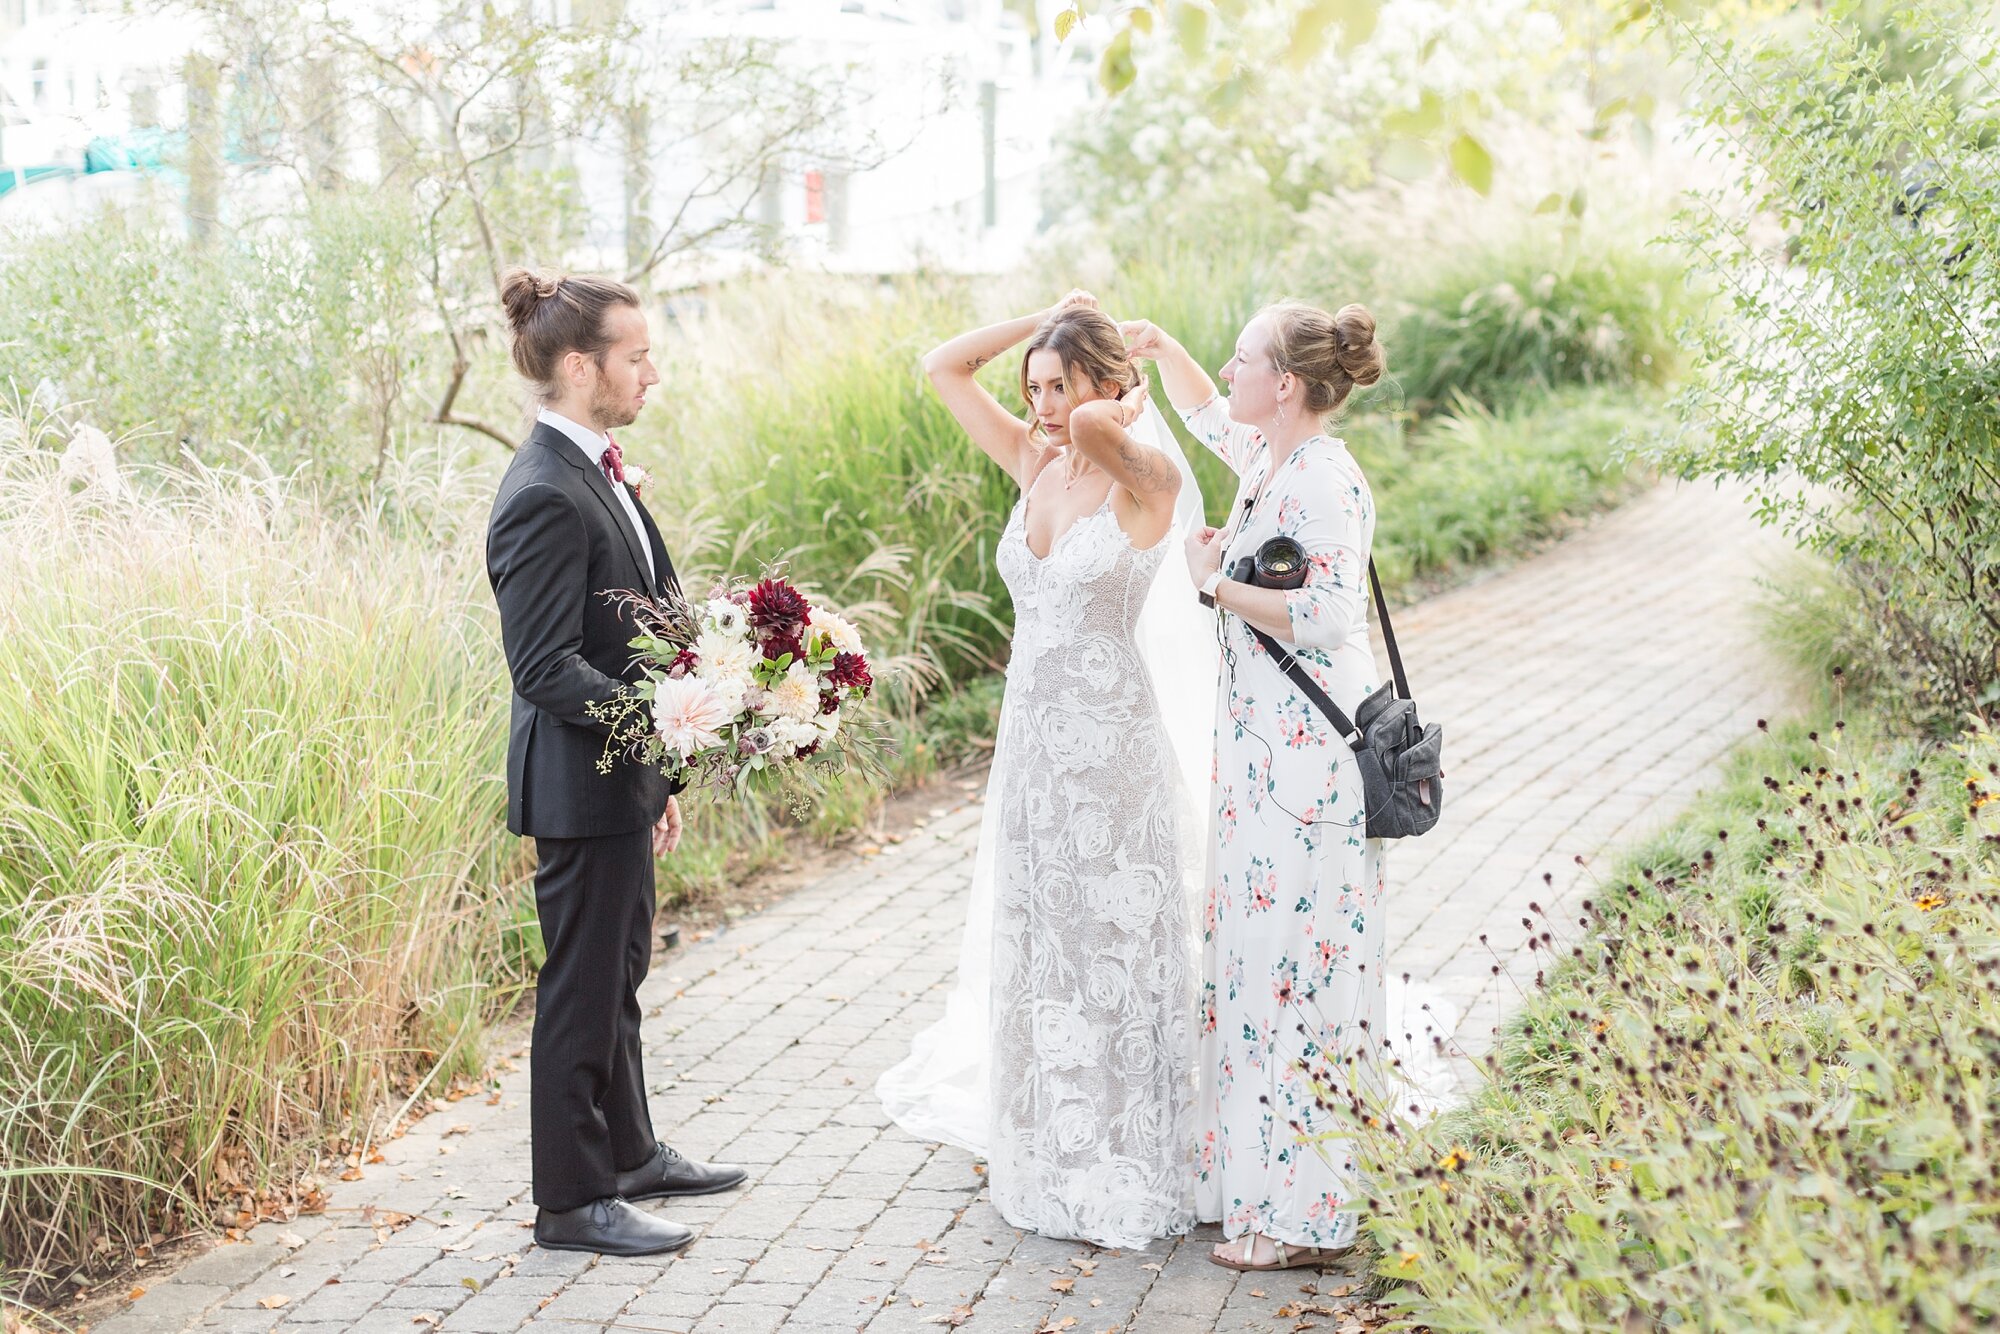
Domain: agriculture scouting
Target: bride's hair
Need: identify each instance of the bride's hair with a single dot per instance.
(1330, 353)
(1091, 350)
(554, 314)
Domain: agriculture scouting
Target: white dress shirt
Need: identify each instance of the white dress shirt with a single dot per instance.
(593, 446)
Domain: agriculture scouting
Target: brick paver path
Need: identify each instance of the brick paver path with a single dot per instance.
(1586, 694)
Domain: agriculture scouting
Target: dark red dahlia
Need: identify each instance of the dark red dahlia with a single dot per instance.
(828, 701)
(777, 643)
(776, 605)
(806, 752)
(684, 662)
(850, 672)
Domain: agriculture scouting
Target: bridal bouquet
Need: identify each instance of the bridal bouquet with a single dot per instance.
(754, 683)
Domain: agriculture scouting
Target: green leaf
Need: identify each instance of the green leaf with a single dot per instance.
(1191, 28)
(1228, 94)
(1309, 33)
(1471, 163)
(1576, 202)
(1357, 21)
(1142, 19)
(1066, 24)
(1426, 119)
(1550, 204)
(1407, 159)
(1116, 70)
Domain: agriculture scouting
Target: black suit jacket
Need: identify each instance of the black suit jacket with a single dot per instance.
(558, 541)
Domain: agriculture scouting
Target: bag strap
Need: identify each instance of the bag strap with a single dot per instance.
(1289, 665)
(1301, 678)
(1388, 635)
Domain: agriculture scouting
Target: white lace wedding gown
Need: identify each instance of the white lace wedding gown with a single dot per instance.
(1066, 1052)
(1092, 1113)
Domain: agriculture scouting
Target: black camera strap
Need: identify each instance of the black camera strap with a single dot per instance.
(1301, 678)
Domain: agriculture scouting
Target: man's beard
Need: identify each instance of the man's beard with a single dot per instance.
(608, 409)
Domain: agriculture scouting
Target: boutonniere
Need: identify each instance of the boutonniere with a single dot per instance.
(638, 479)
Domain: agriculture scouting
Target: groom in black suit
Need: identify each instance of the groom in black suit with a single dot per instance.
(566, 530)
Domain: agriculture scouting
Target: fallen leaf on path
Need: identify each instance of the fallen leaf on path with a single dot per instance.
(273, 1302)
(135, 1294)
(430, 1318)
(1063, 1285)
(956, 1317)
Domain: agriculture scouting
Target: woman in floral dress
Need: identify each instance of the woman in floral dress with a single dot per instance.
(1292, 988)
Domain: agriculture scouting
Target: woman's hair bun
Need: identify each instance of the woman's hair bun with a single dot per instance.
(1359, 354)
(1330, 353)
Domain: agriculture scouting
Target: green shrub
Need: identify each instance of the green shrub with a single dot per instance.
(297, 340)
(1758, 1094)
(1531, 311)
(1854, 381)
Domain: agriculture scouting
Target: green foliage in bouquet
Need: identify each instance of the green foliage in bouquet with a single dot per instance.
(752, 686)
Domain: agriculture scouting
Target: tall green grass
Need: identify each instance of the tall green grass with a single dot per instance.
(1531, 310)
(1475, 484)
(252, 870)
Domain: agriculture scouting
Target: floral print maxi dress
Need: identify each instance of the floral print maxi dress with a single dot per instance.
(1292, 982)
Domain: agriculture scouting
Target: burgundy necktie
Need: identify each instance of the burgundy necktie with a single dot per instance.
(613, 462)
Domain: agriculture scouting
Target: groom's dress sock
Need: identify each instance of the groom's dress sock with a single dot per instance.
(587, 1086)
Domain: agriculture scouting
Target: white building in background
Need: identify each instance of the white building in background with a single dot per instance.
(71, 72)
(968, 105)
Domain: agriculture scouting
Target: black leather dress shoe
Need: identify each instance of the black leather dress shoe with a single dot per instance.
(608, 1226)
(668, 1173)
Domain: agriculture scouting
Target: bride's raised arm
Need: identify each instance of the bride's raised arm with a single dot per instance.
(1098, 429)
(953, 368)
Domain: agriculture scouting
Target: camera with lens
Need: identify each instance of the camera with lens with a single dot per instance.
(1279, 563)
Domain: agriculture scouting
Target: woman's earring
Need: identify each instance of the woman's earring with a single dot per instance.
(1281, 416)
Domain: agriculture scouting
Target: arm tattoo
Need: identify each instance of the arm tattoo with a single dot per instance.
(1144, 465)
(974, 363)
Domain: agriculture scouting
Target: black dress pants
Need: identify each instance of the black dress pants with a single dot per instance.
(587, 1092)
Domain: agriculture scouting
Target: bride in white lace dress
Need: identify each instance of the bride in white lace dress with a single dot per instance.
(1066, 1053)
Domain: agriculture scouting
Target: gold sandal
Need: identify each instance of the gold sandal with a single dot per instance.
(1306, 1257)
